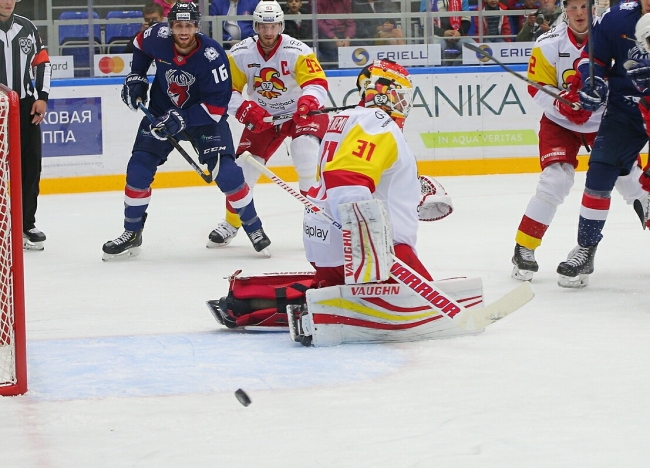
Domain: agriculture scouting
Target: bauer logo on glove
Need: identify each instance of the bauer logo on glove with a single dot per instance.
(435, 204)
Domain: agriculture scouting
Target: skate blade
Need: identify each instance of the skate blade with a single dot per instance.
(214, 245)
(573, 282)
(266, 252)
(213, 306)
(33, 246)
(132, 252)
(522, 275)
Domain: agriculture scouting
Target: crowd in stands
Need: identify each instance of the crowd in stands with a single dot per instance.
(533, 18)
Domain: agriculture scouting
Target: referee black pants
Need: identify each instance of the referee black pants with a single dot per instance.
(31, 153)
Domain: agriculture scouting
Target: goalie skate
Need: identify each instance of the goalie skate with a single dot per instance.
(218, 310)
(33, 239)
(574, 272)
(524, 263)
(299, 325)
(222, 235)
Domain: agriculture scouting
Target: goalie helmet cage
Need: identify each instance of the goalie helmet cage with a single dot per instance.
(13, 348)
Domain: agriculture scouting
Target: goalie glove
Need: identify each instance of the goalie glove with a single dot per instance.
(367, 241)
(252, 115)
(435, 204)
(135, 89)
(168, 124)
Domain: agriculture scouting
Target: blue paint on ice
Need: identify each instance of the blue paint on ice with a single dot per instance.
(195, 363)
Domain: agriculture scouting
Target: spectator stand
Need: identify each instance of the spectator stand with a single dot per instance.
(74, 34)
(118, 34)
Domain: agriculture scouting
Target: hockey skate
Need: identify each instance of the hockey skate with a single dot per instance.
(219, 310)
(524, 263)
(642, 209)
(127, 245)
(222, 235)
(574, 273)
(298, 328)
(260, 241)
(33, 239)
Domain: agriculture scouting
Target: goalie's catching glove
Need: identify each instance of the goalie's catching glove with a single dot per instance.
(168, 124)
(434, 204)
(135, 89)
(306, 104)
(252, 115)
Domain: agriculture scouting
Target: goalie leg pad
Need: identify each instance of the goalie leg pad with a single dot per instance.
(383, 313)
(260, 301)
(367, 241)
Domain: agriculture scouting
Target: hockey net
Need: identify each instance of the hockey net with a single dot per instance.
(13, 365)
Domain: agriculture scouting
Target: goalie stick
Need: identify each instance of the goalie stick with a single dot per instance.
(478, 50)
(206, 177)
(324, 110)
(466, 319)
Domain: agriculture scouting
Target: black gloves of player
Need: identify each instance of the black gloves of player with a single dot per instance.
(135, 89)
(168, 124)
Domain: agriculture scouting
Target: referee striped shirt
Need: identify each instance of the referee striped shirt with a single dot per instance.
(24, 63)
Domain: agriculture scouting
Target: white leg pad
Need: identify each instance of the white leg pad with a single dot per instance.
(384, 313)
(367, 241)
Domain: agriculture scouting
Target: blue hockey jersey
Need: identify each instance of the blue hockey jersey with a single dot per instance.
(614, 44)
(198, 85)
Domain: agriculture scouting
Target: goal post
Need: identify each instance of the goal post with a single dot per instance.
(13, 348)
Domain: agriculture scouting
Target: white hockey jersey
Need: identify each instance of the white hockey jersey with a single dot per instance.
(363, 155)
(277, 82)
(552, 64)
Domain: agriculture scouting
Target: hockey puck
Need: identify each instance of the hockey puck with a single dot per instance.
(242, 397)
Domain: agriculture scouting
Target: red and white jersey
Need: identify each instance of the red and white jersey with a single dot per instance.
(363, 155)
(275, 83)
(552, 64)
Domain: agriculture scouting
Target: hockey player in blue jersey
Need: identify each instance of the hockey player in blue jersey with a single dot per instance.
(621, 134)
(189, 100)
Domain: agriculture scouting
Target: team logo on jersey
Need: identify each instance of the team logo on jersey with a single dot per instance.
(26, 44)
(163, 32)
(268, 83)
(211, 53)
(178, 86)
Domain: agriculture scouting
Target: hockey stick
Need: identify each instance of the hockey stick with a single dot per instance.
(573, 105)
(467, 319)
(324, 110)
(206, 177)
(590, 43)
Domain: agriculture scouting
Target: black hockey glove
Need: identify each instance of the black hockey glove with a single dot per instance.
(135, 89)
(168, 124)
(639, 73)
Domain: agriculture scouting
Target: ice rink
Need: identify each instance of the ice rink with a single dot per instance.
(127, 368)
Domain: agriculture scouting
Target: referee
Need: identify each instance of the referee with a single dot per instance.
(22, 61)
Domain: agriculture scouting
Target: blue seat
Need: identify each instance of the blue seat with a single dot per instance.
(74, 40)
(118, 35)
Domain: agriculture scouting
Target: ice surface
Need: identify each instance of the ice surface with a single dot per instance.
(127, 368)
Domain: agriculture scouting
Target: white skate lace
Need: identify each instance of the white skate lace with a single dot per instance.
(256, 236)
(578, 256)
(526, 254)
(225, 229)
(125, 237)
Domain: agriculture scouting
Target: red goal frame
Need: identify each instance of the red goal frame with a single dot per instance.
(12, 291)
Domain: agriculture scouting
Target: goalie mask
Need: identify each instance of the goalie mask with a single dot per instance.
(268, 12)
(184, 12)
(387, 85)
(642, 33)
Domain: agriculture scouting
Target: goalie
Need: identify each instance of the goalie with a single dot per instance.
(368, 182)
